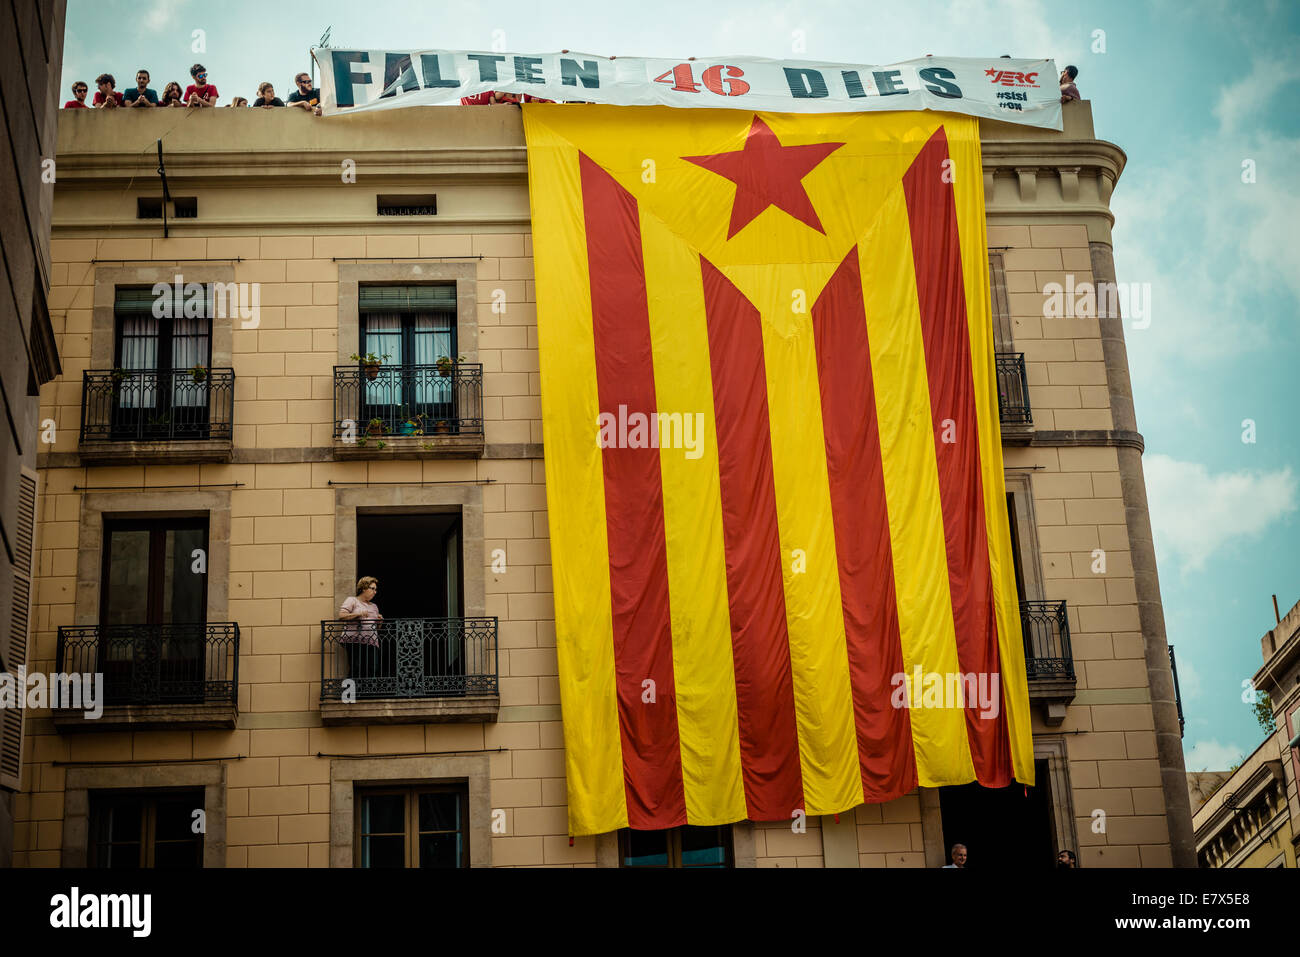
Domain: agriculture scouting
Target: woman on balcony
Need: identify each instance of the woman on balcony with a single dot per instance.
(362, 634)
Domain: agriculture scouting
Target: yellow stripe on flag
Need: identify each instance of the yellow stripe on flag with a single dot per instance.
(703, 667)
(575, 490)
(964, 149)
(898, 367)
(819, 662)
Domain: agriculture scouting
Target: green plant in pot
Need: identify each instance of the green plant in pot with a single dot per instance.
(446, 365)
(370, 363)
(375, 427)
(198, 372)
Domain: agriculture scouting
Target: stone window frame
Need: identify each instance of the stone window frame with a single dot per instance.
(348, 774)
(1003, 327)
(353, 275)
(408, 499)
(156, 503)
(103, 328)
(1052, 747)
(743, 853)
(1020, 485)
(79, 782)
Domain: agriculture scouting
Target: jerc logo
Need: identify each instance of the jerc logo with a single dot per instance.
(1012, 78)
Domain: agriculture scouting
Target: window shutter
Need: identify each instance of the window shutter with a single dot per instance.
(406, 298)
(11, 719)
(1003, 338)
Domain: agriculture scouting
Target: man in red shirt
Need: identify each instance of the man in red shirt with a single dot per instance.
(79, 91)
(200, 92)
(106, 96)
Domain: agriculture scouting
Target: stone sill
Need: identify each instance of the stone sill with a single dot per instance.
(1054, 696)
(412, 447)
(162, 452)
(1017, 433)
(221, 715)
(411, 710)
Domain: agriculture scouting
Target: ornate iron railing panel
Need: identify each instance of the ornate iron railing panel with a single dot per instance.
(153, 405)
(156, 664)
(387, 400)
(1013, 390)
(1046, 631)
(414, 658)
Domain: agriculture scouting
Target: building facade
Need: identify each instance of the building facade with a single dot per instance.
(223, 477)
(1249, 820)
(31, 56)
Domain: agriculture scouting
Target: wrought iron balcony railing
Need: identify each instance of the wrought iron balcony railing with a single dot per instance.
(153, 405)
(1013, 390)
(156, 664)
(1178, 694)
(414, 658)
(1046, 630)
(374, 401)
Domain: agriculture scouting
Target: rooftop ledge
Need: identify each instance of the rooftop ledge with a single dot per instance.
(483, 132)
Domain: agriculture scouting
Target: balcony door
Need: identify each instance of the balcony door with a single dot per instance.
(153, 609)
(158, 390)
(417, 559)
(414, 326)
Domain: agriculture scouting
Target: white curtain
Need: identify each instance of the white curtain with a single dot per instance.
(384, 337)
(139, 352)
(189, 349)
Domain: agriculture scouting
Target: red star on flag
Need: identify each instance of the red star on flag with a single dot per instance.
(768, 174)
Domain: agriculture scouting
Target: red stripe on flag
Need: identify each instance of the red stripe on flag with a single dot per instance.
(936, 254)
(760, 642)
(634, 507)
(862, 542)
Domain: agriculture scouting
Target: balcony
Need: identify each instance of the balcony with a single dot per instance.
(176, 676)
(423, 669)
(1013, 396)
(176, 416)
(408, 411)
(1049, 663)
(1178, 694)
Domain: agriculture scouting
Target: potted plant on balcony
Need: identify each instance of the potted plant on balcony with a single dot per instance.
(120, 374)
(442, 427)
(370, 362)
(198, 372)
(411, 424)
(446, 365)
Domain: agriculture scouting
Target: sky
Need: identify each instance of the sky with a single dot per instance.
(1195, 93)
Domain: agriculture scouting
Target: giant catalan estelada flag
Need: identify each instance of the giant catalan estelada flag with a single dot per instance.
(782, 567)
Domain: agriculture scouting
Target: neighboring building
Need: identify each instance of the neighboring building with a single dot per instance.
(249, 466)
(1248, 820)
(31, 59)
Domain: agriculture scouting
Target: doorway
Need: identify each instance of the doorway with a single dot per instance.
(417, 559)
(1002, 828)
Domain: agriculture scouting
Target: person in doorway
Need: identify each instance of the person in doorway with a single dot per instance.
(361, 635)
(958, 857)
(1066, 860)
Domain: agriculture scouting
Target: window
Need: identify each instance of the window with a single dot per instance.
(407, 204)
(152, 639)
(412, 827)
(686, 846)
(148, 575)
(1015, 546)
(415, 327)
(135, 829)
(160, 367)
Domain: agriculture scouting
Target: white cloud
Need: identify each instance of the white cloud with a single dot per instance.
(1195, 513)
(1212, 756)
(162, 14)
